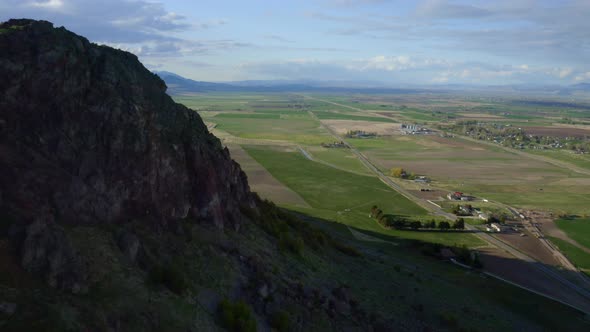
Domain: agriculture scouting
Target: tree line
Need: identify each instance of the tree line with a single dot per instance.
(401, 223)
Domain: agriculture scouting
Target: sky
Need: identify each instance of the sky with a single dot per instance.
(391, 42)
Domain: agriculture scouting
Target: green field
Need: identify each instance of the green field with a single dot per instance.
(331, 192)
(580, 160)
(483, 170)
(340, 158)
(340, 190)
(324, 187)
(453, 163)
(323, 115)
(577, 229)
(577, 256)
(303, 130)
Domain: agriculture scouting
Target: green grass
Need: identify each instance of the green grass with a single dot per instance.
(247, 116)
(553, 198)
(11, 28)
(331, 192)
(341, 158)
(577, 256)
(504, 176)
(327, 188)
(577, 229)
(580, 160)
(419, 116)
(323, 115)
(302, 131)
(220, 101)
(521, 117)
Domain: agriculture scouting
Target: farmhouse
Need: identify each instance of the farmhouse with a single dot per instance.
(482, 215)
(456, 196)
(459, 196)
(467, 209)
(494, 227)
(422, 179)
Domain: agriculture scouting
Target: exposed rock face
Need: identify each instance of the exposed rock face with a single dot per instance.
(88, 135)
(46, 251)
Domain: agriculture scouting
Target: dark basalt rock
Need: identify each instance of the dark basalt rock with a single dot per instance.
(88, 135)
(46, 251)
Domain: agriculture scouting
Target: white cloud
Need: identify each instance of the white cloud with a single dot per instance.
(565, 72)
(50, 4)
(582, 77)
(400, 69)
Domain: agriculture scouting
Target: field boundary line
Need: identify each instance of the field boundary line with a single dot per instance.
(433, 203)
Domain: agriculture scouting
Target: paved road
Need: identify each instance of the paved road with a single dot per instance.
(438, 211)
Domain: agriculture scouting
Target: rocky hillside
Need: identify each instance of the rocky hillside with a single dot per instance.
(90, 136)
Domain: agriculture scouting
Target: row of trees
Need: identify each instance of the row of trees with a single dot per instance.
(399, 222)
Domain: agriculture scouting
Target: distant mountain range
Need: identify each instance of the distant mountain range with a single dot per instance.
(182, 85)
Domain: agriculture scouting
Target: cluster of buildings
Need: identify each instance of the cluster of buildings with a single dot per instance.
(459, 196)
(422, 179)
(413, 129)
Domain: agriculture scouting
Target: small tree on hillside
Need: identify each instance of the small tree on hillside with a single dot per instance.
(444, 225)
(378, 214)
(398, 223)
(374, 211)
(397, 172)
(415, 225)
(459, 224)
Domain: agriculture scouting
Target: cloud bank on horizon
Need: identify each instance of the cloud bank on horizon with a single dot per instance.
(395, 42)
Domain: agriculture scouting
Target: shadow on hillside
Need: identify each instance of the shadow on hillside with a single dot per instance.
(558, 284)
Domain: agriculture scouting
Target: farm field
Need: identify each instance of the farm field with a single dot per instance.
(485, 171)
(300, 129)
(576, 228)
(580, 160)
(453, 164)
(577, 256)
(262, 182)
(332, 192)
(281, 141)
(338, 158)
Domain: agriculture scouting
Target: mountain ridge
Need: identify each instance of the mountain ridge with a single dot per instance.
(179, 84)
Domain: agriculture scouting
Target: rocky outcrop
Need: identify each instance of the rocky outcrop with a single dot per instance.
(47, 252)
(88, 135)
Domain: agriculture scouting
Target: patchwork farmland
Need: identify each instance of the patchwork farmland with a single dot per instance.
(286, 143)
